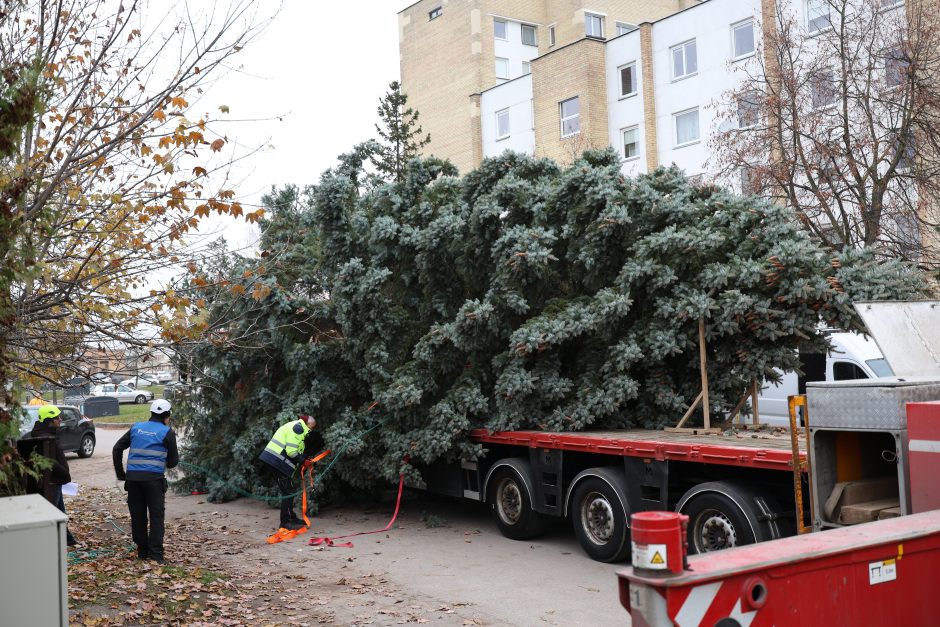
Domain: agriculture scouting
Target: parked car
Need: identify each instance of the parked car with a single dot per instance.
(101, 377)
(138, 382)
(76, 432)
(124, 393)
(161, 377)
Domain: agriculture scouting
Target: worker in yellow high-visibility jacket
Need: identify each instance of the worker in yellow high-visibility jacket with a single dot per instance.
(283, 454)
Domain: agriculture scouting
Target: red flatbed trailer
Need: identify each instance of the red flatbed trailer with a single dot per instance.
(737, 488)
(747, 449)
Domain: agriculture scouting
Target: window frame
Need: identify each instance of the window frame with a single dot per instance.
(675, 127)
(563, 119)
(734, 28)
(508, 124)
(600, 21)
(815, 31)
(636, 83)
(496, 69)
(535, 35)
(505, 24)
(626, 26)
(551, 35)
(526, 67)
(895, 54)
(685, 61)
(814, 84)
(435, 13)
(623, 143)
(756, 104)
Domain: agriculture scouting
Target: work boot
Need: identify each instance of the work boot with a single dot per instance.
(291, 525)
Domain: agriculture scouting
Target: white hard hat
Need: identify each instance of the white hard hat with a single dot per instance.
(160, 406)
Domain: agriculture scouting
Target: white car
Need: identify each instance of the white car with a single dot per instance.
(161, 377)
(123, 393)
(138, 382)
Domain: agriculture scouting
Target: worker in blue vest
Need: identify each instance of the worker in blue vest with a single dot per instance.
(283, 454)
(153, 450)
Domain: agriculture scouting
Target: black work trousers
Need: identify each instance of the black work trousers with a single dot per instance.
(285, 486)
(143, 498)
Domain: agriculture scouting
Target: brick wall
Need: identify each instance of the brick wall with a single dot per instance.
(576, 70)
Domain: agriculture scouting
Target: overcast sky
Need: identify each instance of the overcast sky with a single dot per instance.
(312, 81)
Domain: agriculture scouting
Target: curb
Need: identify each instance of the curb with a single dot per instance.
(113, 425)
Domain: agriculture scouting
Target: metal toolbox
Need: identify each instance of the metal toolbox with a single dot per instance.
(867, 403)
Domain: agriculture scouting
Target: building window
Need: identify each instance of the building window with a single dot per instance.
(499, 29)
(817, 15)
(528, 35)
(623, 28)
(686, 127)
(551, 35)
(526, 68)
(905, 145)
(750, 182)
(502, 124)
(433, 14)
(897, 66)
(570, 117)
(684, 60)
(593, 25)
(742, 39)
(631, 142)
(749, 109)
(502, 69)
(628, 80)
(822, 91)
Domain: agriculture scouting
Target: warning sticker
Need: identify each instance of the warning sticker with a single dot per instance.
(880, 572)
(651, 556)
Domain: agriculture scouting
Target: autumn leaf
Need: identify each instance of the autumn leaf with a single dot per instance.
(237, 290)
(179, 102)
(223, 108)
(198, 171)
(216, 146)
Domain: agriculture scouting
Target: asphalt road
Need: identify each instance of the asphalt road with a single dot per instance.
(442, 551)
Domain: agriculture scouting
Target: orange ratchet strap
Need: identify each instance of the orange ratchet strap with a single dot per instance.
(283, 534)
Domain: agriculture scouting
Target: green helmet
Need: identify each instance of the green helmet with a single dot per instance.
(48, 412)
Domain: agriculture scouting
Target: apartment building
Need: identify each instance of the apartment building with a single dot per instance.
(649, 92)
(453, 50)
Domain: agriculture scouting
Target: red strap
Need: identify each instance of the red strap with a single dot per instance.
(331, 541)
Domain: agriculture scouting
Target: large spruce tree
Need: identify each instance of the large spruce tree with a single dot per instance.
(522, 295)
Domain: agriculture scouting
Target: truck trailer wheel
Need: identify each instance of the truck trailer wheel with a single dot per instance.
(723, 515)
(600, 520)
(511, 501)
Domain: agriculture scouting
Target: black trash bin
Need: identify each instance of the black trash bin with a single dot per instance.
(97, 406)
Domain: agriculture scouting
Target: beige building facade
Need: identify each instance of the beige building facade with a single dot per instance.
(452, 50)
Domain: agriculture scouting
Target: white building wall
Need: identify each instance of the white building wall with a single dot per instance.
(709, 24)
(627, 111)
(515, 95)
(512, 47)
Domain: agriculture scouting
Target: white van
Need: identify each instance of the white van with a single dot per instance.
(853, 356)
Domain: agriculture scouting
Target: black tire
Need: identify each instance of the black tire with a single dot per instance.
(716, 522)
(87, 446)
(511, 503)
(140, 399)
(600, 521)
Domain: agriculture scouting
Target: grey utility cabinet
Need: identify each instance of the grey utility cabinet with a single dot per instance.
(33, 578)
